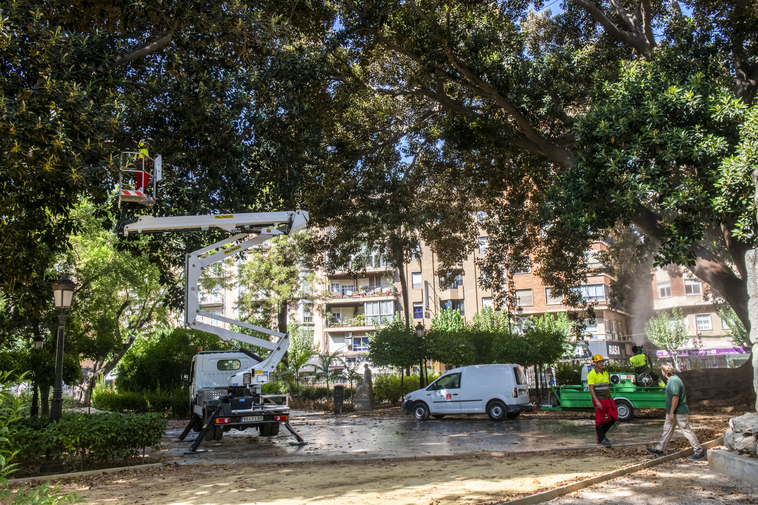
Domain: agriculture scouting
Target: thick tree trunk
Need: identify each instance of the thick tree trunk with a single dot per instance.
(404, 295)
(282, 317)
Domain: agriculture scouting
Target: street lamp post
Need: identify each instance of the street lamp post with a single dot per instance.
(39, 340)
(420, 335)
(63, 292)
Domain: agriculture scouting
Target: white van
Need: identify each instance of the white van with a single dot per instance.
(500, 391)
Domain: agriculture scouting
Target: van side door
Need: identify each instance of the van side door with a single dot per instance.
(444, 394)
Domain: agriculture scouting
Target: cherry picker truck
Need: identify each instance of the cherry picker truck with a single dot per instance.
(224, 394)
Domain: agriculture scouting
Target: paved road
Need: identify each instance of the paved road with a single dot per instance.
(332, 437)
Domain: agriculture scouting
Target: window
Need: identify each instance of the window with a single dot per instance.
(378, 313)
(336, 287)
(664, 290)
(487, 302)
(452, 381)
(593, 259)
(416, 280)
(526, 269)
(481, 217)
(703, 322)
(594, 292)
(483, 244)
(228, 364)
(553, 300)
(458, 281)
(360, 343)
(307, 317)
(452, 305)
(590, 327)
(524, 298)
(418, 310)
(692, 287)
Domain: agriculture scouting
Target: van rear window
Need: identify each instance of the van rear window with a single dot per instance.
(520, 377)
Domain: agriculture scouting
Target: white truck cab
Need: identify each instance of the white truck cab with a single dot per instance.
(500, 391)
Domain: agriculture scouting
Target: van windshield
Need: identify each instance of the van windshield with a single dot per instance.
(520, 377)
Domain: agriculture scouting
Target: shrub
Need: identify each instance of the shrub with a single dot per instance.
(568, 372)
(175, 403)
(387, 388)
(82, 438)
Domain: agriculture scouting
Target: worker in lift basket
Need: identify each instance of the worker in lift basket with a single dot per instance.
(143, 158)
(606, 413)
(641, 366)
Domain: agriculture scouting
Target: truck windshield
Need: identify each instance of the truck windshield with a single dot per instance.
(520, 377)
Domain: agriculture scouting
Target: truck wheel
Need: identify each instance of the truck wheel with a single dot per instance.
(264, 430)
(625, 410)
(496, 410)
(218, 433)
(420, 411)
(274, 429)
(209, 434)
(512, 415)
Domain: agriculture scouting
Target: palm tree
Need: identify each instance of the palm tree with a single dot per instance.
(325, 362)
(298, 358)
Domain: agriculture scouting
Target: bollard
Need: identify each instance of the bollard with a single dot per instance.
(339, 396)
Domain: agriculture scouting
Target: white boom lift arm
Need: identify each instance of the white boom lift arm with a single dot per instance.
(251, 229)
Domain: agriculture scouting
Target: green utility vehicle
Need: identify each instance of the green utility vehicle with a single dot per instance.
(624, 389)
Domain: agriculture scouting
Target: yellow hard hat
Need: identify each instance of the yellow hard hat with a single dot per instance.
(597, 357)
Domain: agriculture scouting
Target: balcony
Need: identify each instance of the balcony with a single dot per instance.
(357, 323)
(352, 296)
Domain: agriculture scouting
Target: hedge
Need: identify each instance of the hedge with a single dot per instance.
(86, 438)
(174, 403)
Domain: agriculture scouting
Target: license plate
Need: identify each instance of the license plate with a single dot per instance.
(250, 419)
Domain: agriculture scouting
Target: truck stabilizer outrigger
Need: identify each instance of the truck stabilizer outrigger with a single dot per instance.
(215, 407)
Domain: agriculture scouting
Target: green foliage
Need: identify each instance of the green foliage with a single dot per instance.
(82, 438)
(323, 365)
(11, 437)
(568, 373)
(740, 336)
(273, 388)
(274, 279)
(395, 345)
(156, 362)
(668, 334)
(448, 320)
(175, 403)
(387, 388)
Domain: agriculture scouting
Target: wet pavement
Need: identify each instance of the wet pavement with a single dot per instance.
(340, 437)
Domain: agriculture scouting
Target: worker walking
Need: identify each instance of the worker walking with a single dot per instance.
(676, 415)
(606, 413)
(642, 367)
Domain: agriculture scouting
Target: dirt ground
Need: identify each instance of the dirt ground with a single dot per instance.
(483, 479)
(487, 478)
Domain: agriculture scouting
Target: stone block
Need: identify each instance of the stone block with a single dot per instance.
(747, 423)
(729, 463)
(729, 439)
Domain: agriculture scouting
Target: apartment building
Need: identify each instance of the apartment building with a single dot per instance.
(710, 343)
(357, 303)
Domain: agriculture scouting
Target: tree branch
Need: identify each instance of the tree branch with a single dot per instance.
(634, 39)
(158, 42)
(708, 266)
(555, 153)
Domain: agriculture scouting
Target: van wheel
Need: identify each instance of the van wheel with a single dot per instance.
(420, 411)
(512, 415)
(438, 416)
(496, 410)
(625, 410)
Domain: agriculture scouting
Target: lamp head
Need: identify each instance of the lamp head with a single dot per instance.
(63, 292)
